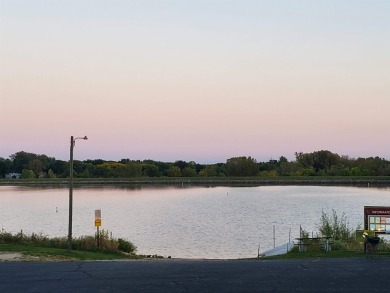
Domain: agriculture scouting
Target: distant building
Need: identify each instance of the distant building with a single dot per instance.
(13, 175)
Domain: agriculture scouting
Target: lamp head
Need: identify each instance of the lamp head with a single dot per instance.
(85, 137)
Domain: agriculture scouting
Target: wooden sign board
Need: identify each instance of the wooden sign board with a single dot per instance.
(377, 219)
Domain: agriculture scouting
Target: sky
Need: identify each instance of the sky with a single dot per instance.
(194, 80)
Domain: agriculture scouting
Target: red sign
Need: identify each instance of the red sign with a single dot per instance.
(373, 210)
(377, 219)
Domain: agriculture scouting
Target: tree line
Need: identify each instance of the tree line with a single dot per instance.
(319, 163)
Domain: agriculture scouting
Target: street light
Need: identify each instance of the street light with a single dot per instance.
(72, 144)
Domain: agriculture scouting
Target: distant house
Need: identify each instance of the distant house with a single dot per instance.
(13, 175)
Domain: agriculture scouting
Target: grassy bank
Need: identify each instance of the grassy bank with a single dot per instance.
(38, 253)
(83, 248)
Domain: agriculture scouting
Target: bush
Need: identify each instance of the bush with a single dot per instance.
(336, 227)
(6, 237)
(343, 237)
(126, 246)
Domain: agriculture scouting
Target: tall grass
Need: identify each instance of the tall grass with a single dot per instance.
(86, 243)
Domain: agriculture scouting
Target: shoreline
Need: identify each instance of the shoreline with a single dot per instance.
(183, 181)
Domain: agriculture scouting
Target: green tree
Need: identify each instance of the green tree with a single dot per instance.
(5, 166)
(173, 171)
(181, 164)
(209, 171)
(242, 166)
(189, 172)
(59, 167)
(21, 160)
(51, 174)
(150, 170)
(283, 166)
(36, 166)
(26, 174)
(321, 162)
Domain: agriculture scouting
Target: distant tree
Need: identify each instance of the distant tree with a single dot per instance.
(189, 172)
(21, 160)
(209, 171)
(60, 168)
(78, 168)
(304, 160)
(324, 160)
(5, 166)
(133, 169)
(181, 164)
(162, 166)
(283, 166)
(118, 170)
(26, 174)
(242, 166)
(95, 162)
(306, 164)
(51, 174)
(36, 166)
(321, 162)
(272, 173)
(173, 171)
(150, 170)
(40, 164)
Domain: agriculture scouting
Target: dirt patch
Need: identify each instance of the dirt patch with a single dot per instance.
(16, 256)
(10, 256)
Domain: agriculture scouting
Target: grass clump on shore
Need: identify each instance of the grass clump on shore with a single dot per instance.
(85, 247)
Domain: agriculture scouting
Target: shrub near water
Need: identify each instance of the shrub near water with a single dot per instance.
(126, 246)
(342, 234)
(336, 227)
(86, 243)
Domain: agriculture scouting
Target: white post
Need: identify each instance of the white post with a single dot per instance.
(274, 236)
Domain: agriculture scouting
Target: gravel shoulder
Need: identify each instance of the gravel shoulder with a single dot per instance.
(19, 257)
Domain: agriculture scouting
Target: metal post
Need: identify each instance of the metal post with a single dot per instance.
(98, 237)
(70, 194)
(274, 236)
(289, 239)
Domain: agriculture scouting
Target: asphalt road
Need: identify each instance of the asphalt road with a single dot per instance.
(307, 275)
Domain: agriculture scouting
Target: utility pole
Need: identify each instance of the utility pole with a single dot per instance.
(72, 144)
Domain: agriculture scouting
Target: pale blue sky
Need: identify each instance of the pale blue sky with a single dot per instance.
(195, 80)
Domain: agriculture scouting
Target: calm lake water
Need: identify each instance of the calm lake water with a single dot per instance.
(188, 222)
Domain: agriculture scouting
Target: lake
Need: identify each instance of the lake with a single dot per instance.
(187, 221)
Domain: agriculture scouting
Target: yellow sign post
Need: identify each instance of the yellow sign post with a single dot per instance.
(98, 222)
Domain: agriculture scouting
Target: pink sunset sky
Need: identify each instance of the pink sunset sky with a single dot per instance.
(195, 80)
